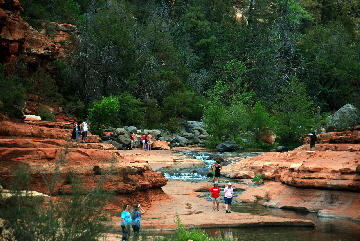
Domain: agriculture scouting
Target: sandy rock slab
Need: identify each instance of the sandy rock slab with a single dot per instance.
(326, 203)
(183, 203)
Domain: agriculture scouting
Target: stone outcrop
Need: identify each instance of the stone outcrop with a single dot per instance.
(321, 169)
(325, 179)
(192, 135)
(42, 145)
(333, 203)
(19, 41)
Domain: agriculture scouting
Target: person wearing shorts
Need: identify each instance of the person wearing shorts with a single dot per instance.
(228, 196)
(215, 195)
(216, 168)
(143, 141)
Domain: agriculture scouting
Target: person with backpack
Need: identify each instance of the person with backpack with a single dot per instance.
(136, 219)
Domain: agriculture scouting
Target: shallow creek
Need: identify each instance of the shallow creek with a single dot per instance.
(327, 229)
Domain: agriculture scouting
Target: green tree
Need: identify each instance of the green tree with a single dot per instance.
(103, 113)
(131, 110)
(183, 105)
(261, 122)
(295, 113)
(12, 95)
(224, 123)
(153, 114)
(332, 65)
(44, 87)
(60, 11)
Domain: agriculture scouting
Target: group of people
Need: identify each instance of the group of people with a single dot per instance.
(215, 190)
(228, 196)
(131, 218)
(146, 141)
(80, 129)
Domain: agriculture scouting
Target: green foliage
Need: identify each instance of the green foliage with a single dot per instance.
(173, 125)
(184, 234)
(45, 113)
(257, 178)
(131, 110)
(103, 113)
(261, 122)
(153, 114)
(225, 123)
(179, 54)
(183, 105)
(61, 11)
(44, 86)
(296, 113)
(72, 217)
(12, 95)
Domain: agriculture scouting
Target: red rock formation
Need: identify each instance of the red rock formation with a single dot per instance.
(41, 145)
(322, 169)
(19, 41)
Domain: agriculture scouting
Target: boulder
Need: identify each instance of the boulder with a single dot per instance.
(227, 146)
(282, 149)
(160, 145)
(347, 116)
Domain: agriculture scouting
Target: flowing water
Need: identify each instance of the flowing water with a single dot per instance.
(327, 229)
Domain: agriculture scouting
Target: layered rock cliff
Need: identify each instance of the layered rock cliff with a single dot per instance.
(325, 179)
(45, 146)
(19, 42)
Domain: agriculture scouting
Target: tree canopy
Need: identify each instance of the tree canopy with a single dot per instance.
(170, 59)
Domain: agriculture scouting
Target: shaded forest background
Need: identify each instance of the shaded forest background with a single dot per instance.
(243, 67)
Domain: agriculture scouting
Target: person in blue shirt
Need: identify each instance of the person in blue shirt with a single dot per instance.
(136, 219)
(125, 222)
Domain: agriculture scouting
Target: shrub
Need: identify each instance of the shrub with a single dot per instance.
(184, 234)
(71, 217)
(45, 113)
(103, 113)
(12, 95)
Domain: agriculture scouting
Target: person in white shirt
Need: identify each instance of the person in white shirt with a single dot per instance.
(85, 126)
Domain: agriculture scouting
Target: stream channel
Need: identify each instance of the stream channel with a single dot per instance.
(327, 229)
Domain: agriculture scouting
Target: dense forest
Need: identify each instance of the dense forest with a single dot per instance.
(244, 67)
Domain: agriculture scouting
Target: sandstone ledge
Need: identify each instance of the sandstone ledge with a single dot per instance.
(195, 212)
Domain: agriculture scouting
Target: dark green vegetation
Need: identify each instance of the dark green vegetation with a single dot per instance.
(193, 59)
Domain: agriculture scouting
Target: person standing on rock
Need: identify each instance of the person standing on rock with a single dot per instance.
(136, 219)
(228, 196)
(216, 168)
(143, 141)
(133, 137)
(149, 141)
(125, 222)
(84, 128)
(313, 139)
(76, 131)
(215, 195)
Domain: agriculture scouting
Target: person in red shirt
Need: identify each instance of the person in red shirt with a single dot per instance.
(215, 195)
(143, 141)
